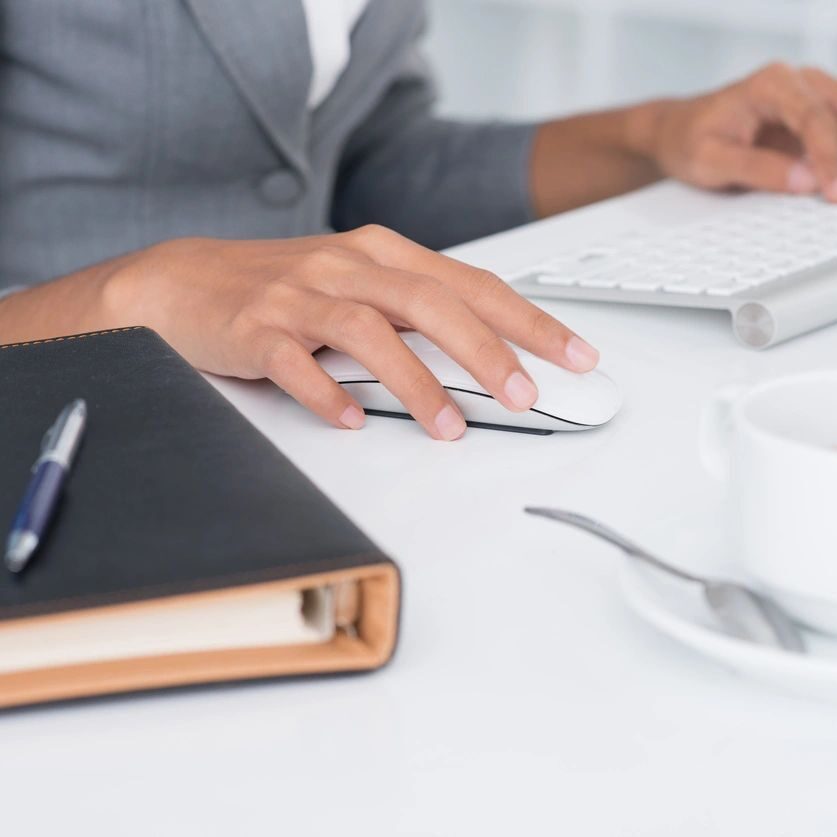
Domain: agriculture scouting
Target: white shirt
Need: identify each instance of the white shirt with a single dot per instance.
(330, 24)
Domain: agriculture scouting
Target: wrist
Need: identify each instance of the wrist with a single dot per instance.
(132, 291)
(643, 127)
(118, 296)
(111, 294)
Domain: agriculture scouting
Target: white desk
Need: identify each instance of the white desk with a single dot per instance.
(524, 698)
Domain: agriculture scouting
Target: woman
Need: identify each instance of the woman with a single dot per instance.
(257, 179)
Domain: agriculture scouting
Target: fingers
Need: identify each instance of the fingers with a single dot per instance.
(292, 368)
(496, 304)
(821, 82)
(521, 321)
(366, 335)
(784, 94)
(729, 164)
(826, 86)
(427, 305)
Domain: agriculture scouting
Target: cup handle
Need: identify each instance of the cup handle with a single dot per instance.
(715, 431)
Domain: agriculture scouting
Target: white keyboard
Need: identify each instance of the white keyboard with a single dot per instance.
(770, 259)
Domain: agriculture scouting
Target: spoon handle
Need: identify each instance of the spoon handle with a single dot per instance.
(603, 532)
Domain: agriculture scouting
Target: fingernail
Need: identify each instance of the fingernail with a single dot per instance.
(521, 391)
(449, 424)
(801, 179)
(581, 355)
(831, 191)
(352, 418)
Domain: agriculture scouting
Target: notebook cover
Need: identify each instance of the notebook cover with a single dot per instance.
(173, 490)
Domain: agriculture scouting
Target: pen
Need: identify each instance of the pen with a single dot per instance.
(48, 475)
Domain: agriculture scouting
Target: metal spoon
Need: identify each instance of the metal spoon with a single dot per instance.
(743, 612)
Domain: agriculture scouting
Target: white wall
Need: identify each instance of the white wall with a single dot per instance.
(533, 58)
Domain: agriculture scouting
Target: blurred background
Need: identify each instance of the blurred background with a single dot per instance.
(527, 59)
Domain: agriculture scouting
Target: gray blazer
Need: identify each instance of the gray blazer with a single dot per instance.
(127, 122)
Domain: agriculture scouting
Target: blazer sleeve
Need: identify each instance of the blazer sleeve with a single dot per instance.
(438, 181)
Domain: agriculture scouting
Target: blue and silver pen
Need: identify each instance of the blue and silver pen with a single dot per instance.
(48, 474)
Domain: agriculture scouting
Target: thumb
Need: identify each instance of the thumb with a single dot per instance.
(762, 168)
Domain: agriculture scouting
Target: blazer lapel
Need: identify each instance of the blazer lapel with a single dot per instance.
(382, 49)
(264, 46)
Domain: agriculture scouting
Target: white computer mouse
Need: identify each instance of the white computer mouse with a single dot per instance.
(567, 400)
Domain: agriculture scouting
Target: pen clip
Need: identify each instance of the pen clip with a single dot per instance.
(46, 442)
(54, 445)
(48, 437)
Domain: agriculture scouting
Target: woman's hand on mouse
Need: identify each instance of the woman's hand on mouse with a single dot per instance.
(254, 309)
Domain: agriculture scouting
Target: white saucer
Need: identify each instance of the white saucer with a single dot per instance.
(677, 608)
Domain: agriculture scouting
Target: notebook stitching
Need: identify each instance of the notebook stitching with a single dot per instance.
(70, 337)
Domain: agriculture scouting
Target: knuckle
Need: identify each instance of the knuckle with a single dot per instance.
(428, 293)
(280, 290)
(332, 250)
(277, 295)
(259, 305)
(490, 347)
(280, 358)
(374, 234)
(243, 323)
(323, 259)
(486, 286)
(777, 70)
(358, 324)
(768, 78)
(421, 384)
(544, 325)
(321, 397)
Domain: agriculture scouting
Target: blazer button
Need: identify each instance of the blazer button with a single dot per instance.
(281, 187)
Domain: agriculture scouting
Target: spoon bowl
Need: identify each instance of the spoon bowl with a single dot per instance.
(742, 612)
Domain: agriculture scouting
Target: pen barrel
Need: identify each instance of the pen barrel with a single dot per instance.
(40, 498)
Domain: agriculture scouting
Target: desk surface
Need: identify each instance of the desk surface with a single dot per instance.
(525, 698)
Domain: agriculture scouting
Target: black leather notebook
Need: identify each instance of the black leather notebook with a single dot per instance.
(186, 548)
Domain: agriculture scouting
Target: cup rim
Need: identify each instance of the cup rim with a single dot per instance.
(829, 373)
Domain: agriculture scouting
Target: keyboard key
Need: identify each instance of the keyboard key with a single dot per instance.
(581, 271)
(608, 278)
(727, 290)
(558, 279)
(648, 283)
(683, 288)
(596, 282)
(761, 239)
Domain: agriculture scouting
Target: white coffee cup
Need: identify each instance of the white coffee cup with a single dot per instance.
(776, 446)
